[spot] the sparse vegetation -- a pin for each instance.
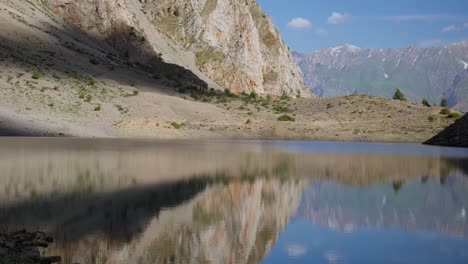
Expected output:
(36, 75)
(176, 125)
(431, 118)
(286, 118)
(445, 111)
(454, 115)
(282, 109)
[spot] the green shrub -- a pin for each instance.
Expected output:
(98, 108)
(329, 106)
(425, 103)
(36, 75)
(454, 115)
(56, 88)
(88, 98)
(286, 118)
(136, 92)
(399, 95)
(91, 81)
(444, 102)
(282, 109)
(445, 111)
(431, 118)
(176, 125)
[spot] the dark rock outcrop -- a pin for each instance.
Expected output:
(23, 247)
(456, 135)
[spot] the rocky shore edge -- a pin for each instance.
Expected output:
(23, 247)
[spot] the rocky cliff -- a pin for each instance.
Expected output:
(229, 44)
(432, 73)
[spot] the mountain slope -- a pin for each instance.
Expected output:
(456, 135)
(431, 73)
(58, 79)
(230, 44)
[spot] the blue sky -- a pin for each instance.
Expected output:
(308, 25)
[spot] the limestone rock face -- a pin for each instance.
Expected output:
(229, 44)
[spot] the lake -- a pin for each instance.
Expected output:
(144, 201)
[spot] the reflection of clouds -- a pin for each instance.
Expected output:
(332, 256)
(296, 250)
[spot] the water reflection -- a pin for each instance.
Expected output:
(108, 201)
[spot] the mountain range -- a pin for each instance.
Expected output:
(432, 73)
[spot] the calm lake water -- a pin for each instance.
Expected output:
(138, 201)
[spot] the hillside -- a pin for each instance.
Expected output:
(456, 135)
(431, 73)
(58, 79)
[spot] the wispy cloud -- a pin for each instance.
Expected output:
(450, 28)
(299, 23)
(422, 18)
(453, 27)
(321, 31)
(338, 18)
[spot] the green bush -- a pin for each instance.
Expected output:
(98, 108)
(431, 118)
(286, 118)
(136, 92)
(445, 111)
(425, 103)
(399, 95)
(91, 81)
(444, 102)
(176, 125)
(282, 109)
(36, 75)
(454, 115)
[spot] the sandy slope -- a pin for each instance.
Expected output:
(84, 89)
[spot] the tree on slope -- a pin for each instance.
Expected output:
(399, 95)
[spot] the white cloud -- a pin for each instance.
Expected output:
(338, 18)
(299, 23)
(450, 28)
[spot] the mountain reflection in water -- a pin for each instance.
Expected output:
(136, 201)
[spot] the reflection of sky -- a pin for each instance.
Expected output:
(364, 147)
(421, 222)
(318, 245)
